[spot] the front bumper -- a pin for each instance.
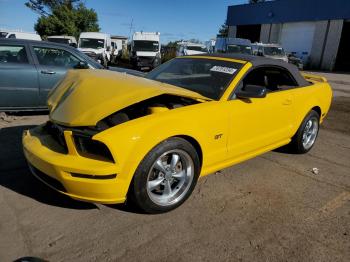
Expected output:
(143, 61)
(59, 170)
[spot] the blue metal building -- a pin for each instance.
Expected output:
(316, 30)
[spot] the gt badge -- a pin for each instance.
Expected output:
(216, 137)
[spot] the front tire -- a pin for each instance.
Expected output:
(305, 138)
(166, 177)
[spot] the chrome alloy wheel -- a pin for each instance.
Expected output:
(310, 133)
(170, 177)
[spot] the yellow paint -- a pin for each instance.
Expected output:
(245, 129)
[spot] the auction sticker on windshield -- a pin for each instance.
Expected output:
(223, 69)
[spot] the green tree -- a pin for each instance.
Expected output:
(63, 17)
(223, 30)
(172, 44)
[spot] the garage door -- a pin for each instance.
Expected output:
(297, 38)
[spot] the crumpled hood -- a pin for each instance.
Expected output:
(86, 96)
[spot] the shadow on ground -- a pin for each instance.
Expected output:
(28, 113)
(15, 175)
(128, 207)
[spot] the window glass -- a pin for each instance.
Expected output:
(239, 49)
(143, 45)
(55, 57)
(274, 51)
(196, 48)
(13, 54)
(12, 36)
(274, 79)
(91, 43)
(208, 77)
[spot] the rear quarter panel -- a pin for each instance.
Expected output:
(317, 95)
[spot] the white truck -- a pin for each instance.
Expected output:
(145, 50)
(63, 39)
(96, 45)
(188, 48)
(119, 45)
(22, 35)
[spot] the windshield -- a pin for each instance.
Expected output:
(239, 49)
(208, 77)
(196, 48)
(274, 51)
(91, 43)
(3, 34)
(143, 45)
(59, 40)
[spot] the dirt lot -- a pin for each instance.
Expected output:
(271, 208)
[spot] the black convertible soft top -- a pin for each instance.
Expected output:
(257, 61)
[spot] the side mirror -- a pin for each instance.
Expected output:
(252, 91)
(82, 65)
(73, 45)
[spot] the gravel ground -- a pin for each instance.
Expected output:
(271, 208)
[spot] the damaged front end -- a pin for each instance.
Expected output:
(154, 105)
(82, 136)
(75, 153)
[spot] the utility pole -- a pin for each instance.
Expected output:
(131, 27)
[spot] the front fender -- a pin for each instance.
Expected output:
(130, 142)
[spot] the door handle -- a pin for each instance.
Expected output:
(48, 72)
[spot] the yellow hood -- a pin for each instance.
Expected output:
(84, 97)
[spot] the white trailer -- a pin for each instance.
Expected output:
(145, 50)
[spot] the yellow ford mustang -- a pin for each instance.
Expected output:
(113, 136)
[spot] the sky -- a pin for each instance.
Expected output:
(174, 19)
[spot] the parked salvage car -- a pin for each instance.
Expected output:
(113, 137)
(30, 69)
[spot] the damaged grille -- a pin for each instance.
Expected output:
(83, 141)
(57, 133)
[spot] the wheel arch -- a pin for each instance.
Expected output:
(304, 113)
(318, 110)
(196, 146)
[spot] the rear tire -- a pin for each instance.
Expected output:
(166, 176)
(305, 138)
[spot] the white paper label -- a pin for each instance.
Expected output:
(223, 69)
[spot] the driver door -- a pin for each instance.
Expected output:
(257, 124)
(52, 63)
